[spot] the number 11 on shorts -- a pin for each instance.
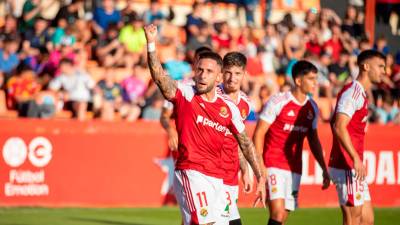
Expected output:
(202, 196)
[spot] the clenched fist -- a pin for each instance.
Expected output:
(151, 33)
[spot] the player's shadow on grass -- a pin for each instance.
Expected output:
(105, 221)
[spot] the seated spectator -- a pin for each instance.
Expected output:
(194, 20)
(222, 38)
(38, 40)
(9, 59)
(70, 12)
(63, 34)
(76, 85)
(132, 36)
(153, 111)
(386, 111)
(105, 15)
(154, 14)
(109, 95)
(339, 72)
(134, 89)
(22, 89)
(177, 68)
(202, 39)
(9, 30)
(30, 11)
(109, 50)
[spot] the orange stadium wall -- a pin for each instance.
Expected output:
(70, 163)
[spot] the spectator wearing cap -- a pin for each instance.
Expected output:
(105, 15)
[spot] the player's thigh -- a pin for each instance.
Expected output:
(179, 187)
(277, 193)
(367, 213)
(292, 185)
(351, 192)
(205, 195)
(232, 201)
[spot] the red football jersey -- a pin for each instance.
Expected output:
(202, 127)
(230, 157)
(352, 101)
(290, 122)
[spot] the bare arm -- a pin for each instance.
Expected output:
(340, 131)
(259, 135)
(165, 120)
(242, 162)
(316, 149)
(166, 84)
(251, 155)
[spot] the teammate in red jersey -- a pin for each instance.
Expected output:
(234, 69)
(348, 127)
(203, 118)
(287, 118)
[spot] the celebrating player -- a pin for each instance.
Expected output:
(348, 128)
(203, 119)
(287, 118)
(234, 67)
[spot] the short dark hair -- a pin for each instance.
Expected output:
(66, 61)
(202, 49)
(211, 55)
(369, 54)
(302, 68)
(234, 59)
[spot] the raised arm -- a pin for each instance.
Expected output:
(166, 84)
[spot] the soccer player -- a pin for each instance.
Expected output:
(348, 127)
(234, 67)
(287, 118)
(203, 118)
(167, 112)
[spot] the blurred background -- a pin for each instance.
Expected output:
(79, 113)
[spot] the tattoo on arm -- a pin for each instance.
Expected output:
(242, 162)
(166, 84)
(249, 152)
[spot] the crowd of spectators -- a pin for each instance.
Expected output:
(91, 62)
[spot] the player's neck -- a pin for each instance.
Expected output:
(209, 96)
(234, 95)
(364, 80)
(300, 96)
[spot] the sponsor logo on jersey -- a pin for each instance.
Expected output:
(291, 113)
(291, 127)
(224, 112)
(358, 196)
(215, 125)
(204, 212)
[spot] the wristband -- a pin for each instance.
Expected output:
(151, 47)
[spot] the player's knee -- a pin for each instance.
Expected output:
(367, 221)
(235, 222)
(274, 222)
(278, 215)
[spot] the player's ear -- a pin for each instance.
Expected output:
(365, 66)
(297, 81)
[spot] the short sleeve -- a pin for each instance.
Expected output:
(272, 108)
(237, 125)
(316, 114)
(350, 101)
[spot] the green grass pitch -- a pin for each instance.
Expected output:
(168, 216)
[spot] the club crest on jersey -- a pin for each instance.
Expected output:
(274, 189)
(204, 212)
(223, 112)
(244, 114)
(310, 115)
(358, 196)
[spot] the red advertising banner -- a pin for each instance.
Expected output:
(71, 163)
